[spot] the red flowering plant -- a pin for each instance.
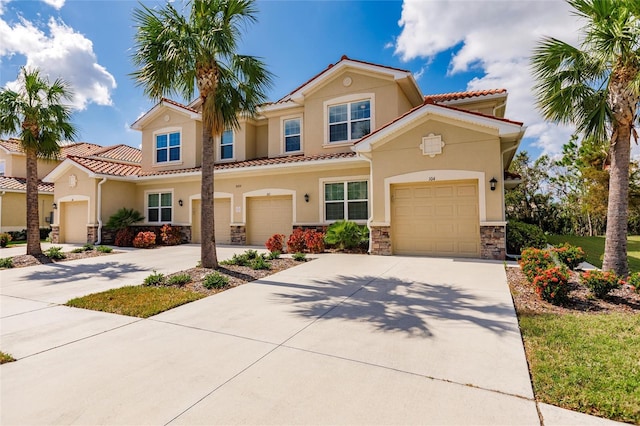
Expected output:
(124, 237)
(600, 283)
(570, 255)
(634, 281)
(534, 261)
(296, 243)
(552, 285)
(314, 241)
(171, 236)
(146, 239)
(275, 243)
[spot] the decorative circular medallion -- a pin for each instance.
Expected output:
(347, 82)
(167, 118)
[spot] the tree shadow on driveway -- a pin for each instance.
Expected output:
(59, 273)
(394, 305)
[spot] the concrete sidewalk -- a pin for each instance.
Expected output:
(344, 339)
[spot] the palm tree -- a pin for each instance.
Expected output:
(179, 54)
(596, 87)
(36, 112)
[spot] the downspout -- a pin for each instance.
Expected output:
(370, 189)
(497, 107)
(100, 210)
(1, 195)
(504, 207)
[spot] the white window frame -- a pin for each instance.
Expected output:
(344, 180)
(348, 99)
(166, 131)
(3, 168)
(146, 205)
(283, 136)
(233, 146)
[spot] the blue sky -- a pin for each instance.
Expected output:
(449, 46)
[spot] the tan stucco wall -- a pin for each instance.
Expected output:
(465, 149)
(116, 195)
(13, 216)
(85, 187)
(276, 134)
(182, 190)
(16, 165)
(189, 140)
(8, 160)
(262, 139)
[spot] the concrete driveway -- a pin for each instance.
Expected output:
(344, 339)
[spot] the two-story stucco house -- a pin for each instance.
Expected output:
(358, 141)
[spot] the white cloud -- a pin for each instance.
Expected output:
(56, 4)
(59, 52)
(496, 37)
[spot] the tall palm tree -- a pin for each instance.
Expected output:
(179, 54)
(37, 114)
(596, 87)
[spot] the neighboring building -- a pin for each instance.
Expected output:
(13, 173)
(358, 141)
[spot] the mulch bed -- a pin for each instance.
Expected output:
(26, 260)
(622, 300)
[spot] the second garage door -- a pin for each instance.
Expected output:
(222, 218)
(267, 216)
(436, 219)
(74, 222)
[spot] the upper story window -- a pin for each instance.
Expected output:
(349, 121)
(346, 200)
(226, 145)
(292, 135)
(2, 167)
(168, 147)
(159, 206)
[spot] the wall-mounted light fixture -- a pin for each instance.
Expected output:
(493, 182)
(54, 205)
(180, 202)
(306, 198)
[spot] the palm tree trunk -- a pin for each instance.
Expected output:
(615, 246)
(208, 254)
(33, 222)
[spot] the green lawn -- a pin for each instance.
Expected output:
(136, 301)
(594, 248)
(587, 363)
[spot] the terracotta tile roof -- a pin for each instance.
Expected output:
(78, 149)
(119, 152)
(447, 97)
(178, 104)
(107, 167)
(479, 114)
(11, 145)
(20, 184)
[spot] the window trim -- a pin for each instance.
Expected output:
(3, 168)
(283, 142)
(344, 180)
(348, 99)
(166, 131)
(233, 147)
(146, 205)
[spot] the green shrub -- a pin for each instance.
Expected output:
(634, 281)
(180, 279)
(534, 261)
(104, 249)
(123, 218)
(55, 252)
(299, 257)
(600, 283)
(154, 279)
(552, 284)
(570, 255)
(88, 247)
(522, 235)
(215, 280)
(6, 262)
(145, 239)
(259, 263)
(273, 255)
(77, 250)
(243, 259)
(4, 239)
(251, 254)
(345, 234)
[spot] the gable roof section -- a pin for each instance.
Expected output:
(457, 96)
(14, 184)
(159, 107)
(99, 166)
(121, 152)
(13, 146)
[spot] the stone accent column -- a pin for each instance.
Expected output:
(92, 234)
(55, 234)
(380, 240)
(185, 231)
(493, 242)
(238, 235)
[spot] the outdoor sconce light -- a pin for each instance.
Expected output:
(493, 182)
(306, 198)
(54, 205)
(180, 203)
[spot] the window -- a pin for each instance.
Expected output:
(226, 145)
(346, 200)
(1, 167)
(168, 147)
(349, 121)
(292, 134)
(159, 207)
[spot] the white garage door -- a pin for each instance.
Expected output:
(436, 219)
(267, 216)
(222, 220)
(73, 218)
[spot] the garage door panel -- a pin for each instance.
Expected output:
(221, 217)
(74, 222)
(267, 216)
(436, 219)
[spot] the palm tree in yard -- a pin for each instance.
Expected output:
(37, 114)
(596, 87)
(183, 55)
